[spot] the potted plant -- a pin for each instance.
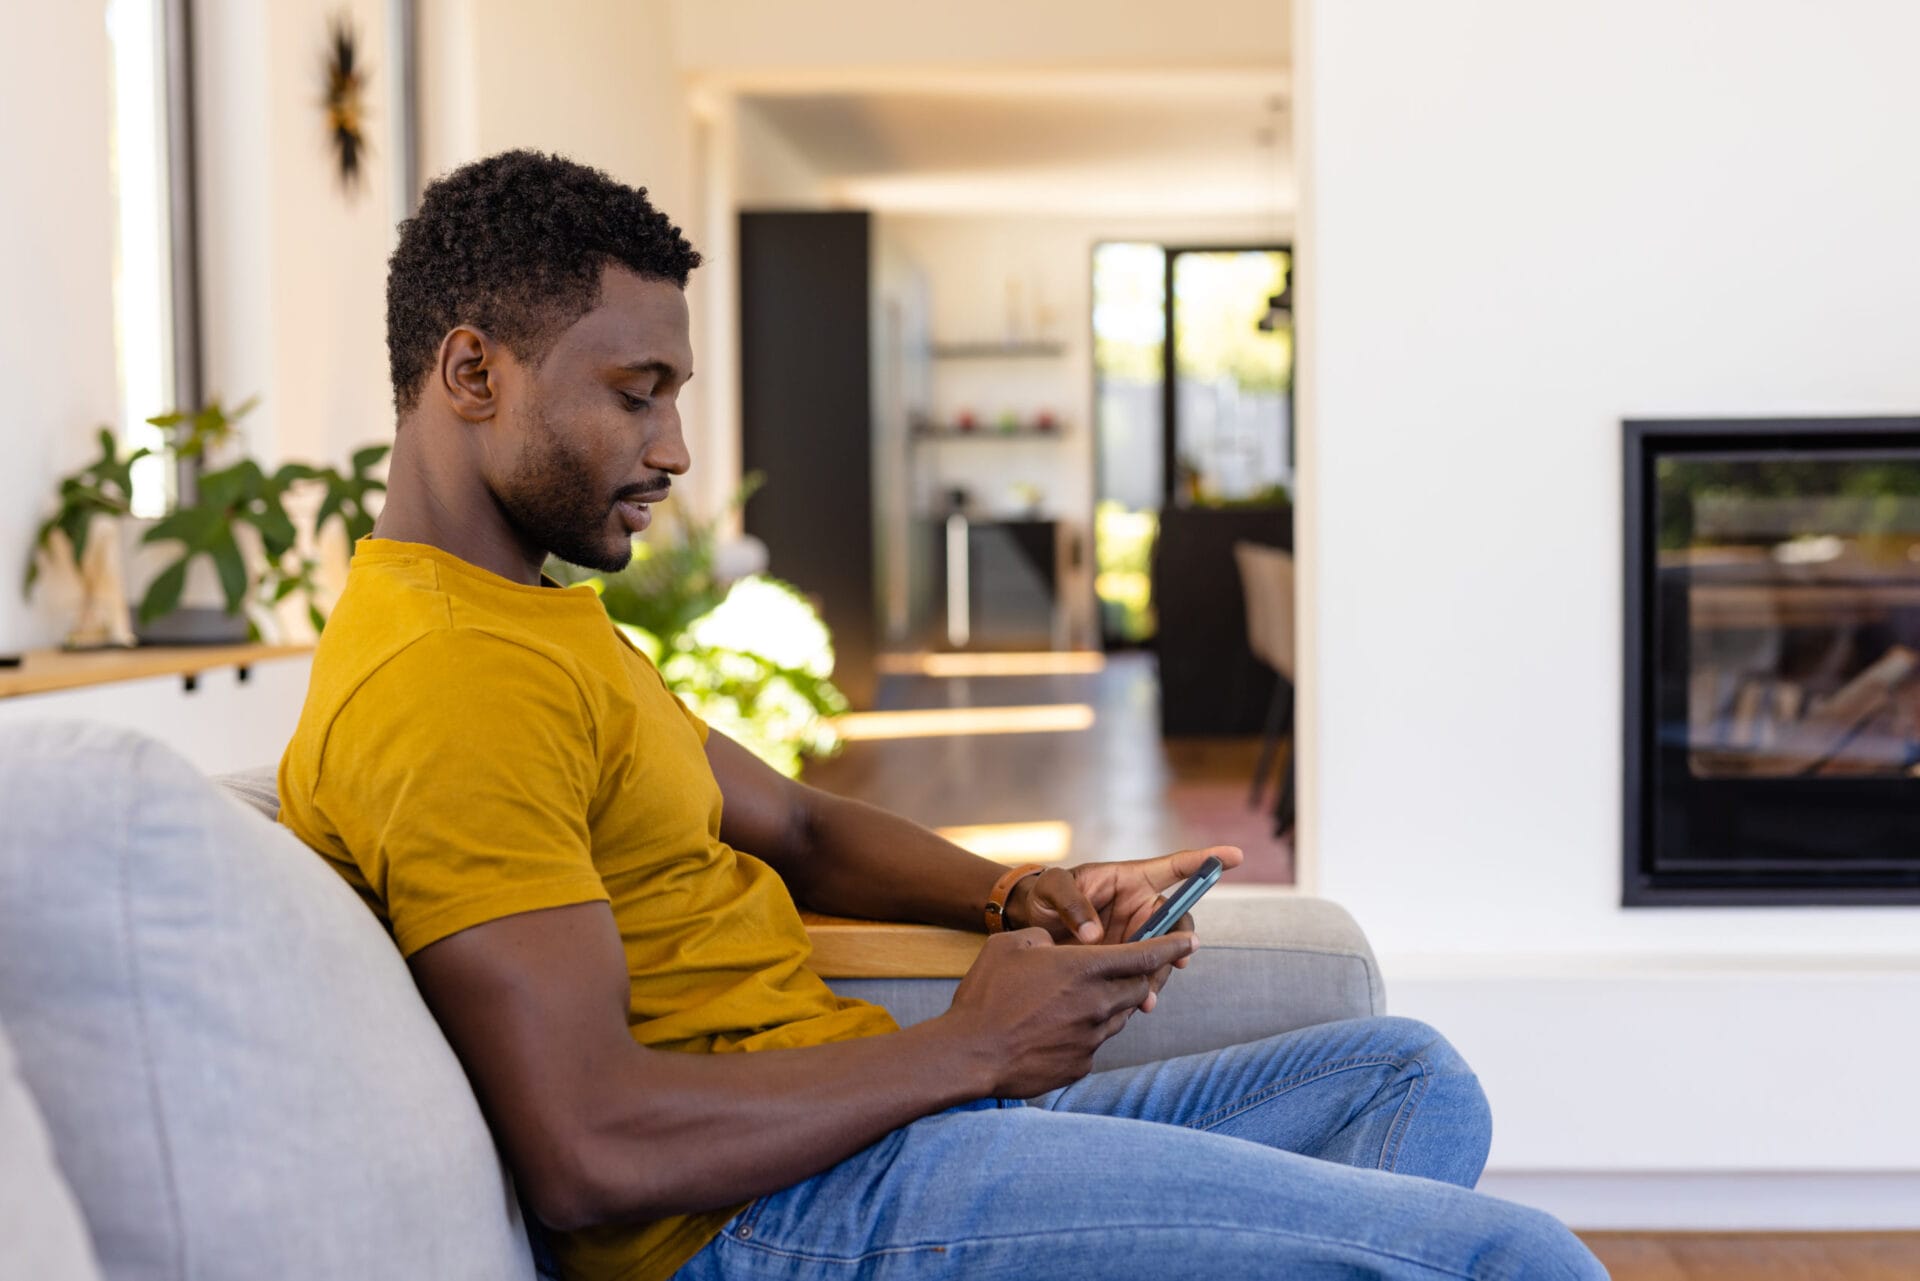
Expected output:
(80, 534)
(228, 552)
(747, 652)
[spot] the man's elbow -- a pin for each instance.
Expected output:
(576, 1185)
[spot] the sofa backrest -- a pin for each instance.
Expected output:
(237, 1073)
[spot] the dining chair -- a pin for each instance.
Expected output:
(1266, 578)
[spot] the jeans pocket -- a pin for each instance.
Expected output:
(740, 1226)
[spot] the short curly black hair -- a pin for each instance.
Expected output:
(514, 245)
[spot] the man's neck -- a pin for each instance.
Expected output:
(439, 501)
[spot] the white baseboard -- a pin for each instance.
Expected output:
(1718, 1201)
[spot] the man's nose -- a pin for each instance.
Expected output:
(667, 448)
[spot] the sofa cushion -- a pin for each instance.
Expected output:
(238, 1074)
(41, 1234)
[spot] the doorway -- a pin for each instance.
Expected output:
(1214, 436)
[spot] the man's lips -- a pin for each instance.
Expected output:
(634, 506)
(642, 497)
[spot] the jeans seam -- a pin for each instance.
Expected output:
(1403, 1119)
(744, 1221)
(856, 1260)
(1247, 1102)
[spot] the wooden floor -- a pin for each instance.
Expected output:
(1128, 794)
(1124, 791)
(1754, 1256)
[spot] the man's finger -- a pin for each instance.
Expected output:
(1184, 927)
(1127, 995)
(1063, 894)
(1171, 869)
(1130, 960)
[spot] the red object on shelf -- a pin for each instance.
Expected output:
(965, 421)
(1045, 421)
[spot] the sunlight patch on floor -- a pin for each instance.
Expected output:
(1077, 662)
(944, 722)
(1043, 842)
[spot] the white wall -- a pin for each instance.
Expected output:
(593, 80)
(763, 36)
(771, 173)
(1640, 208)
(56, 248)
(596, 81)
(293, 268)
(1521, 223)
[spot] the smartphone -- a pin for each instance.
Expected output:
(1180, 901)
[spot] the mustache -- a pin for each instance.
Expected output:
(651, 492)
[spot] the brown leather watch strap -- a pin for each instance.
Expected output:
(1002, 889)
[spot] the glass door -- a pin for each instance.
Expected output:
(1218, 434)
(1230, 402)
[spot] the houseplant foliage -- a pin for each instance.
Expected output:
(104, 487)
(238, 495)
(750, 656)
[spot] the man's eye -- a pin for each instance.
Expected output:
(635, 402)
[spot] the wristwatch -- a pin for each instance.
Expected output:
(1002, 890)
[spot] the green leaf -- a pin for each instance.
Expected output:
(196, 527)
(286, 588)
(291, 472)
(222, 488)
(329, 508)
(74, 523)
(163, 597)
(318, 619)
(250, 483)
(369, 457)
(359, 524)
(232, 567)
(277, 533)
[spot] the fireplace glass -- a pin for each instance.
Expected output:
(1773, 662)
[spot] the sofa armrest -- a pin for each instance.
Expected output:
(1266, 964)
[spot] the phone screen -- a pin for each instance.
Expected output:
(1180, 902)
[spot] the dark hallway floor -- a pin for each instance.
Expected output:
(1119, 789)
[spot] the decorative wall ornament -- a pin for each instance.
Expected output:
(346, 101)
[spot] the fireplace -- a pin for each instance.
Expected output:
(1773, 662)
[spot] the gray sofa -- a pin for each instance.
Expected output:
(214, 1064)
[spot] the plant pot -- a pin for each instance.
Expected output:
(201, 618)
(92, 587)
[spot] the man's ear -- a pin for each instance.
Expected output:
(468, 373)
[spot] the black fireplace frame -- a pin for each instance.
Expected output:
(1642, 884)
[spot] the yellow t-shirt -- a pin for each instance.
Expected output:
(472, 748)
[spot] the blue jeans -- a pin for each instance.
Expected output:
(1346, 1150)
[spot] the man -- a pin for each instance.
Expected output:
(597, 894)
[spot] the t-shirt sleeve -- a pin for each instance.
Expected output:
(461, 776)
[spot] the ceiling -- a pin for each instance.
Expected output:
(1191, 143)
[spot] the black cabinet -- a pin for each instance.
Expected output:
(807, 418)
(1210, 682)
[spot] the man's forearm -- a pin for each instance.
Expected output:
(862, 861)
(678, 1133)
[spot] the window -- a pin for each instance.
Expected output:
(153, 296)
(1217, 434)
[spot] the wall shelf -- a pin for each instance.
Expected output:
(43, 671)
(986, 433)
(1038, 349)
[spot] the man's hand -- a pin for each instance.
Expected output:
(1107, 902)
(1036, 1012)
